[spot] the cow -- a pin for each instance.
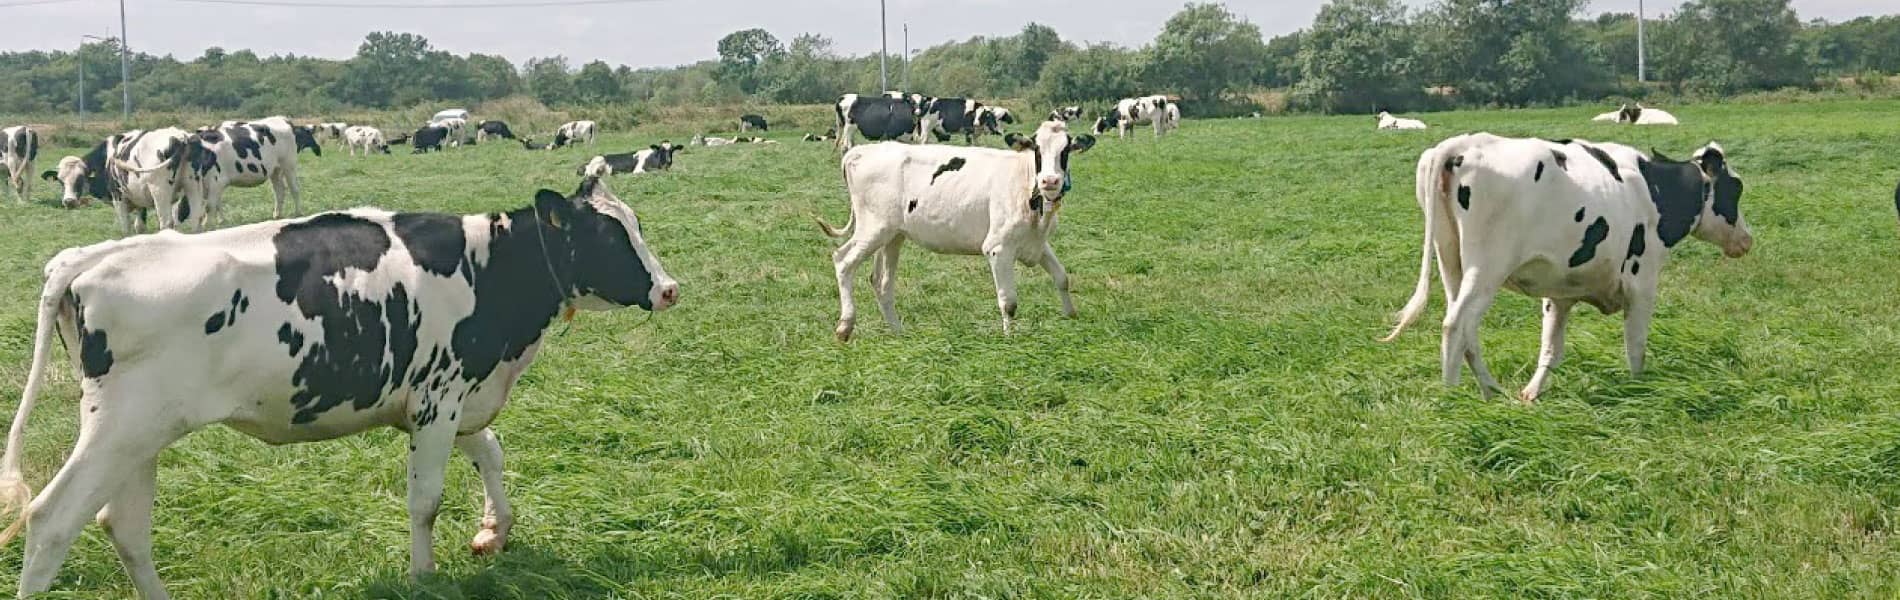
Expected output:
(877, 118)
(333, 130)
(1129, 112)
(360, 319)
(369, 139)
(1566, 221)
(429, 137)
(657, 157)
(1641, 115)
(245, 154)
(529, 144)
(574, 132)
(1387, 121)
(19, 146)
(1001, 116)
(1001, 204)
(1614, 116)
(946, 116)
(138, 171)
(399, 140)
(820, 137)
(493, 128)
(751, 122)
(1066, 113)
(457, 131)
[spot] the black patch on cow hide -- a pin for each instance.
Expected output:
(515, 293)
(1603, 157)
(1676, 188)
(95, 355)
(955, 164)
(1464, 197)
(1637, 243)
(215, 323)
(1539, 176)
(913, 206)
(435, 241)
(346, 366)
(1035, 202)
(290, 338)
(1563, 162)
(1579, 214)
(1592, 237)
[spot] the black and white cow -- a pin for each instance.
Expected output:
(528, 143)
(877, 118)
(334, 130)
(1001, 204)
(19, 146)
(307, 330)
(1566, 221)
(751, 122)
(575, 132)
(1066, 113)
(245, 154)
(817, 137)
(138, 171)
(368, 139)
(457, 132)
(1129, 112)
(657, 157)
(429, 137)
(944, 117)
(493, 128)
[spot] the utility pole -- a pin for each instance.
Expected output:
(1642, 52)
(81, 57)
(907, 57)
(884, 47)
(125, 67)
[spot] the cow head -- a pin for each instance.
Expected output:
(1722, 223)
(306, 138)
(73, 176)
(1108, 120)
(1052, 146)
(1629, 114)
(662, 155)
(986, 119)
(609, 265)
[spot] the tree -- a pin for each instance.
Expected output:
(809, 73)
(1725, 46)
(1358, 57)
(741, 53)
(1099, 73)
(386, 70)
(596, 84)
(549, 81)
(1510, 52)
(1205, 51)
(492, 76)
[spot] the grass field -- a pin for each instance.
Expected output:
(1218, 421)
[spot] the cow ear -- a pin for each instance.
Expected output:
(552, 204)
(49, 175)
(1081, 144)
(1019, 142)
(655, 147)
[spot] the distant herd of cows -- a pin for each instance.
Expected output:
(313, 328)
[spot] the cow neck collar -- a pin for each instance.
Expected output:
(554, 275)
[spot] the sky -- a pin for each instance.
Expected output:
(652, 33)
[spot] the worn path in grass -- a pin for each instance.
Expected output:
(1217, 422)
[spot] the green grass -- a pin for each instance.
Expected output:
(1217, 422)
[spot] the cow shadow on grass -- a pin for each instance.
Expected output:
(525, 572)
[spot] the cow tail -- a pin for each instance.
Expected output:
(851, 222)
(15, 495)
(1435, 174)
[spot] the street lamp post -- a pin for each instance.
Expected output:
(884, 47)
(1642, 52)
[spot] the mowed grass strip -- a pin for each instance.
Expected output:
(1217, 422)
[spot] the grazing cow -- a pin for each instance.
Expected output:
(1001, 204)
(245, 154)
(1066, 113)
(452, 113)
(946, 116)
(307, 330)
(877, 118)
(399, 140)
(657, 157)
(369, 139)
(457, 131)
(1565, 221)
(820, 137)
(1001, 115)
(1387, 121)
(574, 132)
(1129, 112)
(751, 122)
(334, 130)
(138, 171)
(1640, 115)
(19, 146)
(493, 128)
(429, 137)
(528, 143)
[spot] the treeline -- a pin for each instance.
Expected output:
(1356, 55)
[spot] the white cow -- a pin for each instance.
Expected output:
(1567, 222)
(1129, 112)
(368, 139)
(1387, 121)
(574, 132)
(1001, 204)
(334, 130)
(246, 154)
(19, 146)
(307, 330)
(137, 171)
(1610, 117)
(1641, 115)
(457, 131)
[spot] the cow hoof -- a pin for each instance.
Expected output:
(1527, 397)
(487, 543)
(844, 331)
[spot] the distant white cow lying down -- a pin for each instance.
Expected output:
(1567, 221)
(1001, 204)
(1387, 121)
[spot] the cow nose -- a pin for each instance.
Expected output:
(669, 296)
(1050, 182)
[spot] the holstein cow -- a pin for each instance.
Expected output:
(1001, 204)
(457, 131)
(493, 128)
(1565, 221)
(306, 330)
(19, 146)
(877, 118)
(1129, 112)
(1066, 113)
(574, 132)
(657, 157)
(246, 154)
(368, 139)
(429, 137)
(138, 171)
(946, 116)
(1387, 121)
(1612, 116)
(1640, 115)
(751, 122)
(334, 130)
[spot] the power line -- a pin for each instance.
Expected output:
(33, 3)
(393, 5)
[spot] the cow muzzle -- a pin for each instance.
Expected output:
(1739, 246)
(666, 294)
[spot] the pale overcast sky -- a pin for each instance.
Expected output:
(656, 32)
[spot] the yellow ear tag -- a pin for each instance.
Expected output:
(555, 220)
(567, 315)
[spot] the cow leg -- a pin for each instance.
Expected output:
(1060, 277)
(127, 518)
(167, 215)
(846, 260)
(484, 450)
(122, 210)
(1460, 342)
(429, 447)
(277, 190)
(1642, 308)
(1556, 320)
(112, 447)
(1003, 269)
(884, 278)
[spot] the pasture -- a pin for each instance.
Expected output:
(1217, 422)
